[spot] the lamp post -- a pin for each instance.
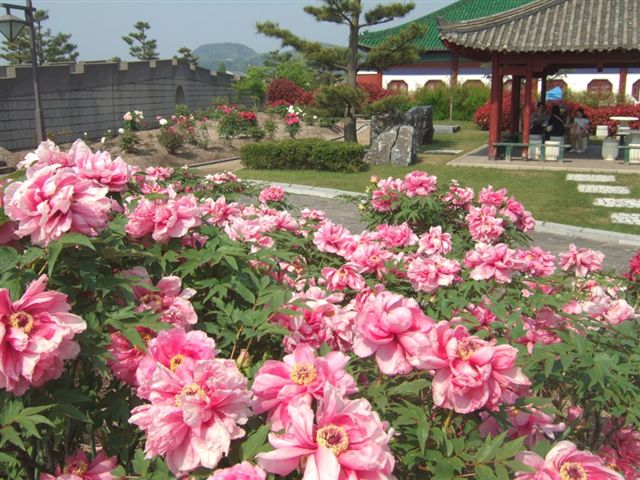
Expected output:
(10, 27)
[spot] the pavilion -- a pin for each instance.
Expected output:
(538, 39)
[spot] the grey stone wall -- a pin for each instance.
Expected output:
(92, 97)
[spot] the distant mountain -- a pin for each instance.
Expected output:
(235, 56)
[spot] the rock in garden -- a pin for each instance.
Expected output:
(403, 152)
(380, 150)
(383, 121)
(421, 119)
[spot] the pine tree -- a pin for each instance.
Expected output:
(395, 49)
(140, 46)
(49, 47)
(187, 55)
(222, 68)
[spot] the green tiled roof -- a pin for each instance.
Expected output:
(460, 10)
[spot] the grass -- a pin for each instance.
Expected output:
(545, 193)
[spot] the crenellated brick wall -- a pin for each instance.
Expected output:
(92, 96)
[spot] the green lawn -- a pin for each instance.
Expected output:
(546, 194)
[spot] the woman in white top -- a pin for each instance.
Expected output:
(579, 132)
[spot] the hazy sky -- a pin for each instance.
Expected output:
(98, 25)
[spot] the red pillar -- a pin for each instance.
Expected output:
(622, 84)
(526, 114)
(514, 123)
(495, 110)
(455, 66)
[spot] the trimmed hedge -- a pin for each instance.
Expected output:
(304, 154)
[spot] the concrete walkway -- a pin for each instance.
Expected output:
(617, 255)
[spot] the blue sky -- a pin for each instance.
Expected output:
(98, 25)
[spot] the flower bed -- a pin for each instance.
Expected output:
(152, 326)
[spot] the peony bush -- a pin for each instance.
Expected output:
(154, 326)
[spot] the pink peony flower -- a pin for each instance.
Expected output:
(582, 260)
(494, 198)
(528, 422)
(386, 198)
(565, 462)
(434, 242)
(53, 201)
(347, 440)
(470, 373)
(618, 311)
(98, 166)
(158, 173)
(331, 238)
(420, 184)
(395, 236)
(47, 154)
(484, 225)
(536, 262)
(371, 258)
(240, 471)
(459, 196)
(487, 262)
(164, 220)
(347, 276)
(542, 329)
(125, 357)
(301, 375)
(167, 298)
(624, 452)
(173, 349)
(272, 193)
(394, 328)
(78, 467)
(219, 211)
(194, 414)
(36, 336)
(430, 273)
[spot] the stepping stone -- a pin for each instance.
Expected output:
(626, 218)
(446, 128)
(586, 188)
(617, 202)
(582, 177)
(445, 151)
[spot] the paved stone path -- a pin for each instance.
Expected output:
(617, 256)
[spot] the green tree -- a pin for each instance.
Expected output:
(253, 84)
(222, 68)
(187, 55)
(49, 47)
(395, 49)
(140, 46)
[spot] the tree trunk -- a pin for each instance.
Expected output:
(350, 134)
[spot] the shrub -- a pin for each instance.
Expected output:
(283, 89)
(375, 93)
(400, 102)
(328, 122)
(232, 122)
(313, 154)
(182, 109)
(437, 97)
(129, 141)
(171, 139)
(466, 100)
(292, 124)
(270, 128)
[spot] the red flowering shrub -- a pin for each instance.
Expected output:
(375, 93)
(596, 115)
(284, 90)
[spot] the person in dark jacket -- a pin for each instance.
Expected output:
(556, 124)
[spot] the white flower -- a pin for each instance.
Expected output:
(315, 117)
(109, 131)
(127, 117)
(103, 139)
(291, 109)
(185, 167)
(84, 134)
(163, 122)
(121, 131)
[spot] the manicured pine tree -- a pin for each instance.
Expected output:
(187, 55)
(395, 49)
(140, 46)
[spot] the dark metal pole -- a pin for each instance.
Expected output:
(40, 129)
